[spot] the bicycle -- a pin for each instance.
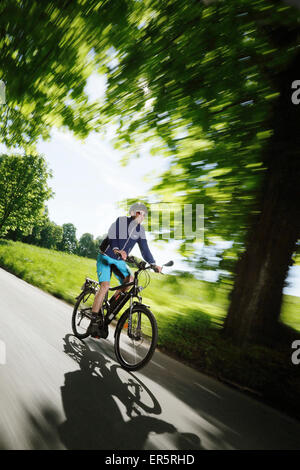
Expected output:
(136, 332)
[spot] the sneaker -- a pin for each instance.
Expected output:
(104, 332)
(96, 325)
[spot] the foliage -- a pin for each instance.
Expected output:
(23, 191)
(47, 234)
(69, 241)
(51, 235)
(43, 232)
(199, 81)
(195, 79)
(87, 246)
(46, 58)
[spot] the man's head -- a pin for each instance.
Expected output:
(138, 211)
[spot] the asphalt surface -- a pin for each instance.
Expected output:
(59, 393)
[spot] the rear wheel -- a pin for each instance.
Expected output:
(135, 346)
(82, 314)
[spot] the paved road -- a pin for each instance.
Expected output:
(60, 393)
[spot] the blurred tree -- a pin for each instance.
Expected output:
(43, 232)
(87, 246)
(69, 241)
(45, 59)
(32, 234)
(23, 191)
(210, 84)
(51, 235)
(15, 235)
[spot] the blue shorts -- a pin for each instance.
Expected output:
(107, 265)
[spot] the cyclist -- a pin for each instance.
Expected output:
(123, 234)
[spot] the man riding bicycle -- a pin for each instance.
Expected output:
(123, 234)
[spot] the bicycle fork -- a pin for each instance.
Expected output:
(137, 335)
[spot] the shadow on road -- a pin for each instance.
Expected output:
(42, 429)
(109, 408)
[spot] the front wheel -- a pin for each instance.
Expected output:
(135, 343)
(82, 315)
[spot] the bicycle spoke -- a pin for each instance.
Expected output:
(135, 342)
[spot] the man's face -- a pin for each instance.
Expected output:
(139, 216)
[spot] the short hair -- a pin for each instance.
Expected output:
(138, 207)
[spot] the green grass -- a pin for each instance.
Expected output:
(189, 313)
(62, 275)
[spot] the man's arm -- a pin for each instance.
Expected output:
(145, 251)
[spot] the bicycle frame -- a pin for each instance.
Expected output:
(133, 292)
(91, 286)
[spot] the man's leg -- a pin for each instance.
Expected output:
(123, 274)
(125, 280)
(97, 318)
(123, 289)
(99, 297)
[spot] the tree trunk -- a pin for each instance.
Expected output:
(261, 271)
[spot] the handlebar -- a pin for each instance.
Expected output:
(142, 264)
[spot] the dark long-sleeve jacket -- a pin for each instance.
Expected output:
(123, 234)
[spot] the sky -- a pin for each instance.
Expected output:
(89, 182)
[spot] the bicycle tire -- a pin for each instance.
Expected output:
(144, 310)
(74, 326)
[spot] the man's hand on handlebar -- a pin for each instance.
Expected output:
(122, 253)
(157, 269)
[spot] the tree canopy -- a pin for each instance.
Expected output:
(196, 79)
(204, 79)
(69, 241)
(87, 246)
(203, 82)
(46, 58)
(23, 191)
